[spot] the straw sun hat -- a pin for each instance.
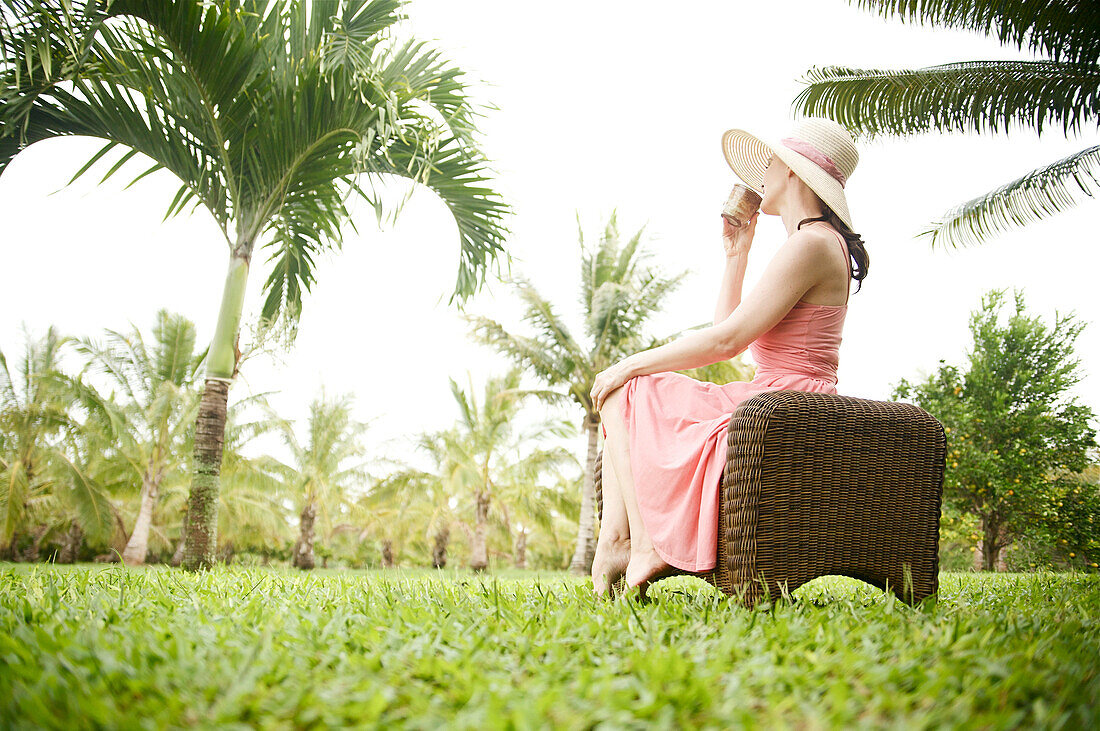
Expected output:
(819, 151)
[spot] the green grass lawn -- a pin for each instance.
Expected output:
(105, 646)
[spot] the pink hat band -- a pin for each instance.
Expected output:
(822, 160)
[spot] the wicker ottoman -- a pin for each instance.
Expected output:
(818, 484)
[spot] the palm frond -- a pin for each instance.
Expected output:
(268, 113)
(547, 362)
(175, 339)
(972, 96)
(1064, 29)
(356, 30)
(1041, 193)
(294, 247)
(540, 314)
(419, 75)
(88, 498)
(724, 371)
(458, 173)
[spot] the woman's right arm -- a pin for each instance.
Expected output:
(729, 295)
(737, 242)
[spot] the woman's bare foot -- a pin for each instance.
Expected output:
(645, 567)
(609, 564)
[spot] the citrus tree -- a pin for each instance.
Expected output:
(1010, 419)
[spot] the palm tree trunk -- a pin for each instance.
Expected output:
(226, 553)
(479, 559)
(70, 550)
(177, 557)
(586, 534)
(30, 553)
(201, 533)
(303, 557)
(137, 548)
(387, 553)
(10, 549)
(520, 551)
(439, 550)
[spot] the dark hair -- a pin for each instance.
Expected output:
(856, 248)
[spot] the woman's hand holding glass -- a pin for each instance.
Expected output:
(738, 239)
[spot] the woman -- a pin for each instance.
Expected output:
(665, 433)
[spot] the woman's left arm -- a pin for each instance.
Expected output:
(790, 274)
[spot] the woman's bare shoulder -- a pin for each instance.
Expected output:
(812, 242)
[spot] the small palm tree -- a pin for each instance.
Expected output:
(268, 113)
(485, 460)
(390, 516)
(535, 499)
(154, 392)
(42, 458)
(619, 294)
(326, 469)
(426, 508)
(980, 96)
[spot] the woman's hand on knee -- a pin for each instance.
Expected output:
(607, 381)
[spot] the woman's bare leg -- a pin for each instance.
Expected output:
(645, 565)
(613, 546)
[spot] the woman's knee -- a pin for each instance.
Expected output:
(611, 404)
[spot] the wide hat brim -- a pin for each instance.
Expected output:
(748, 155)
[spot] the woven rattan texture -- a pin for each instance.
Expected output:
(818, 484)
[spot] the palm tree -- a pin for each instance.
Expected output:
(325, 469)
(532, 510)
(81, 505)
(979, 96)
(30, 412)
(391, 515)
(153, 389)
(487, 461)
(268, 113)
(41, 463)
(619, 294)
(421, 501)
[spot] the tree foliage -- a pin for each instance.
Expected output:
(1011, 421)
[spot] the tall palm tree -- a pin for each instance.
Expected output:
(326, 469)
(619, 294)
(983, 95)
(268, 113)
(154, 391)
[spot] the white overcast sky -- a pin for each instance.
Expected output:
(602, 105)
